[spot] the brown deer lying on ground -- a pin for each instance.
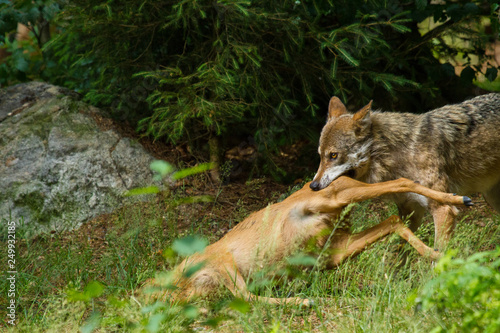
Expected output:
(274, 233)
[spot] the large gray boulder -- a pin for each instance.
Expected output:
(58, 168)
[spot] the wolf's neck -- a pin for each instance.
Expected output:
(393, 145)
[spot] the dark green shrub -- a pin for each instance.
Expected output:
(467, 288)
(199, 70)
(27, 60)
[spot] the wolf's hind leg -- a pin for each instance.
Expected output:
(492, 197)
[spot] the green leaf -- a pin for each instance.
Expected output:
(168, 253)
(21, 64)
(333, 70)
(468, 287)
(192, 269)
(276, 327)
(468, 74)
(75, 296)
(491, 74)
(400, 28)
(448, 69)
(421, 4)
(214, 321)
(91, 324)
(117, 303)
(240, 305)
(161, 167)
(190, 311)
(94, 289)
(192, 171)
(188, 245)
(154, 322)
(347, 57)
(302, 260)
(142, 190)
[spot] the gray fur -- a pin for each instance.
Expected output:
(455, 148)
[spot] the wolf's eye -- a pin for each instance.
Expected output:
(334, 156)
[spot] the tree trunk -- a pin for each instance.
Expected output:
(213, 144)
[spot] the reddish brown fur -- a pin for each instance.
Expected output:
(267, 237)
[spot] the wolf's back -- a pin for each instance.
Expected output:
(460, 140)
(465, 123)
(478, 110)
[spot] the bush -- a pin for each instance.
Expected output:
(468, 289)
(219, 67)
(26, 60)
(198, 71)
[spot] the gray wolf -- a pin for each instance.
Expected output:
(267, 237)
(455, 148)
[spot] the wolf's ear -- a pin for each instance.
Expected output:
(336, 108)
(362, 118)
(363, 113)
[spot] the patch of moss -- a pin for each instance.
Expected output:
(34, 201)
(39, 119)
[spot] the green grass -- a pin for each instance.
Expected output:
(370, 293)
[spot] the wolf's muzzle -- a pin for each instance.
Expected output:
(315, 186)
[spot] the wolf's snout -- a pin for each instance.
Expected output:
(315, 186)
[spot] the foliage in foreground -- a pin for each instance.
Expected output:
(467, 287)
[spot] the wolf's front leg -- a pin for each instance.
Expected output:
(410, 210)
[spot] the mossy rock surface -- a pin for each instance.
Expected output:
(58, 168)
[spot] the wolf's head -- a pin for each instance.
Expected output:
(344, 145)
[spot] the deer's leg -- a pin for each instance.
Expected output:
(353, 244)
(345, 190)
(235, 282)
(349, 190)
